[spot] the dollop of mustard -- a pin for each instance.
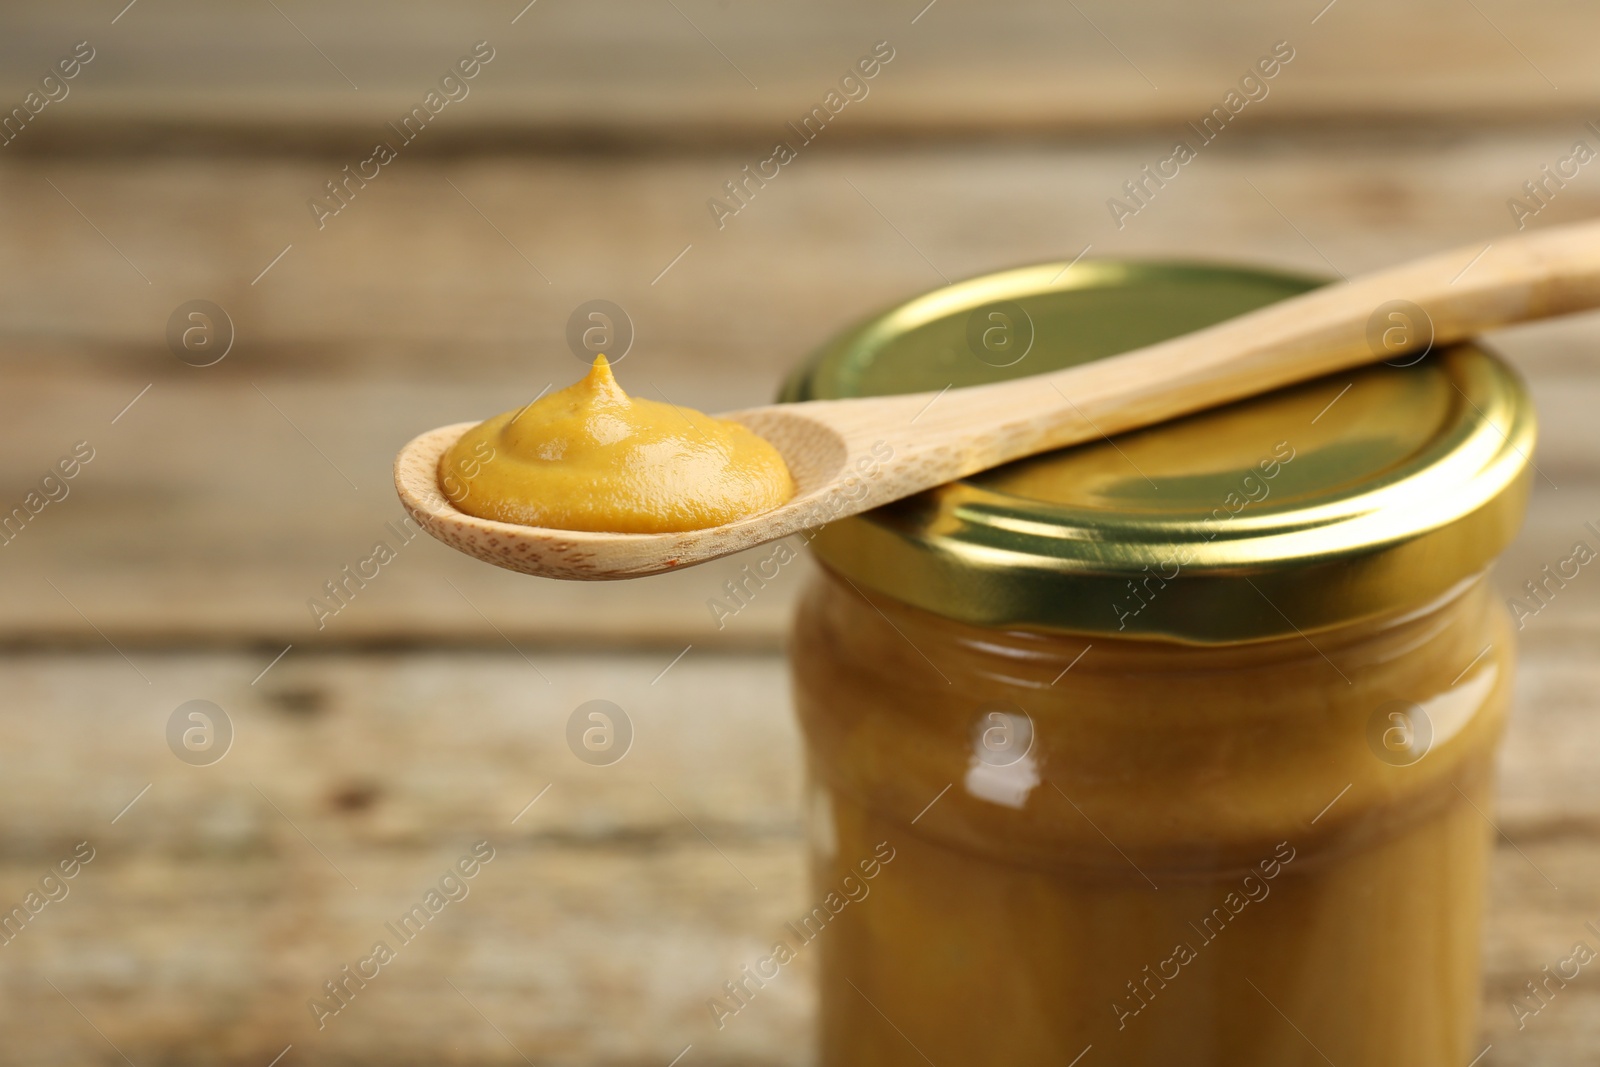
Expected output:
(590, 457)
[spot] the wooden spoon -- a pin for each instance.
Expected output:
(848, 456)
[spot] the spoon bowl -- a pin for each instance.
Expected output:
(817, 455)
(848, 456)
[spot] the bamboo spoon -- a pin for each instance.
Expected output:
(938, 438)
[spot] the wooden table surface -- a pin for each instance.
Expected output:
(428, 714)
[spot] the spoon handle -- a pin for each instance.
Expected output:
(1397, 314)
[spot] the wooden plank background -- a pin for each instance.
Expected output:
(424, 716)
(640, 71)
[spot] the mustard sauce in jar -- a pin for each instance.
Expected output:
(1183, 741)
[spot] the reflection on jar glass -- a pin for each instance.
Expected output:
(1183, 742)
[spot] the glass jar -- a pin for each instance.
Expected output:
(1176, 748)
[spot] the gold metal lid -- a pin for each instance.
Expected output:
(1350, 496)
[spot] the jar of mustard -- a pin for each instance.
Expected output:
(1175, 748)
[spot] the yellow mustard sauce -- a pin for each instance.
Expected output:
(590, 457)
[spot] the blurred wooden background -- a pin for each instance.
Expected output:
(428, 713)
